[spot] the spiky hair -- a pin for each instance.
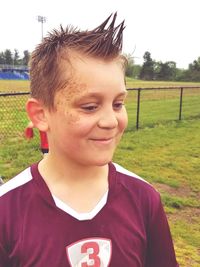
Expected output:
(105, 42)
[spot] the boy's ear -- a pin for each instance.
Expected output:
(36, 113)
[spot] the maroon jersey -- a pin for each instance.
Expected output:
(128, 227)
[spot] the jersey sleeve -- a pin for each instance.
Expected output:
(4, 260)
(160, 249)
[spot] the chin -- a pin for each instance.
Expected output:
(102, 162)
(97, 159)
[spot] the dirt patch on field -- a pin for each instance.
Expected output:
(189, 215)
(179, 192)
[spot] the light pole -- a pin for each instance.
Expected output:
(42, 20)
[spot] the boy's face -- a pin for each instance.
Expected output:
(90, 117)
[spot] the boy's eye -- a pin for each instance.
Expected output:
(118, 105)
(90, 107)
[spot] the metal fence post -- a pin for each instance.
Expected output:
(181, 101)
(138, 109)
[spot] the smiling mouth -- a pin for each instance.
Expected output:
(103, 140)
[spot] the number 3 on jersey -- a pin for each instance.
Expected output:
(91, 252)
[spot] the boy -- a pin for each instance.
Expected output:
(75, 207)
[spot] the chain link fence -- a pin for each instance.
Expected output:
(13, 117)
(146, 107)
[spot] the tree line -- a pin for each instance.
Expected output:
(159, 71)
(9, 58)
(150, 69)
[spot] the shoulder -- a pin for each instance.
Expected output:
(136, 186)
(16, 183)
(137, 194)
(14, 196)
(128, 177)
(126, 172)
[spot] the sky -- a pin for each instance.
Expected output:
(168, 29)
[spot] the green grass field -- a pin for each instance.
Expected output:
(165, 151)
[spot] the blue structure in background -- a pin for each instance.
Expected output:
(8, 72)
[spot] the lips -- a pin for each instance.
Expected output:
(102, 140)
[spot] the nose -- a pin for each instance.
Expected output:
(108, 119)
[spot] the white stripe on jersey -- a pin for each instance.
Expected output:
(22, 178)
(81, 216)
(121, 169)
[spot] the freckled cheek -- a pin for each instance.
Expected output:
(70, 117)
(77, 123)
(73, 119)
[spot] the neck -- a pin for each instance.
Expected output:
(69, 182)
(70, 172)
